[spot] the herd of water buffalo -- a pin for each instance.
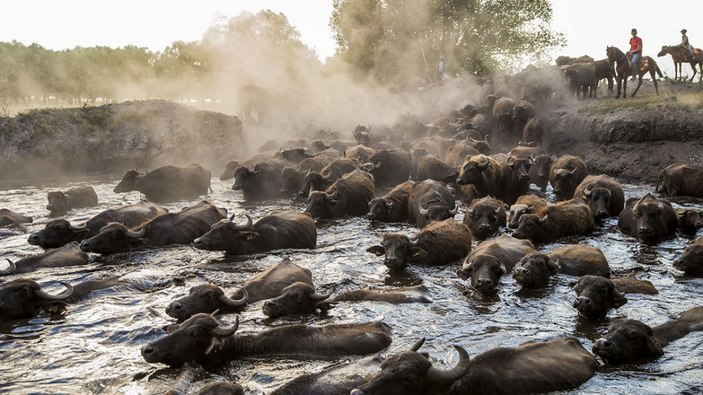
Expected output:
(427, 172)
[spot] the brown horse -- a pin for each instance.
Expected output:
(622, 69)
(676, 53)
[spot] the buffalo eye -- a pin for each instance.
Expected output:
(602, 291)
(112, 235)
(196, 332)
(636, 214)
(210, 295)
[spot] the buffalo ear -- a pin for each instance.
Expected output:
(653, 345)
(553, 265)
(503, 268)
(466, 271)
(417, 254)
(248, 236)
(619, 299)
(378, 250)
(172, 328)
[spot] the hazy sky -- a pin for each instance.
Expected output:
(589, 26)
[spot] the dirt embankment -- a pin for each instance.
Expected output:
(42, 145)
(630, 142)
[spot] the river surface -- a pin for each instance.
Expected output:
(94, 346)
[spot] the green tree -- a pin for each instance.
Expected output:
(395, 39)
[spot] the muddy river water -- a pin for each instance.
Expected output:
(94, 346)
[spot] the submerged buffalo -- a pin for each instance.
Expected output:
(595, 295)
(202, 339)
(632, 340)
(297, 298)
(571, 217)
(207, 298)
(393, 206)
(68, 255)
(59, 232)
(79, 197)
(11, 218)
(526, 204)
(24, 298)
(350, 195)
(390, 167)
(429, 201)
(532, 367)
(681, 179)
(648, 219)
(173, 228)
(168, 183)
(332, 172)
(691, 262)
(273, 232)
(263, 182)
(603, 195)
(566, 174)
(439, 243)
(485, 217)
(535, 270)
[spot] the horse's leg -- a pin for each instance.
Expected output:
(639, 83)
(624, 85)
(654, 79)
(693, 66)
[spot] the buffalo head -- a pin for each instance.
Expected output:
(225, 235)
(297, 298)
(58, 202)
(113, 238)
(628, 340)
(24, 298)
(691, 262)
(58, 233)
(399, 250)
(595, 295)
(485, 272)
(320, 203)
(535, 270)
(472, 170)
(130, 182)
(205, 298)
(598, 199)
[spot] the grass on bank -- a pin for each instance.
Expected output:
(671, 100)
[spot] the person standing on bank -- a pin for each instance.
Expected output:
(686, 46)
(635, 53)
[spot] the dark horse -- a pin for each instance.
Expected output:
(622, 69)
(677, 54)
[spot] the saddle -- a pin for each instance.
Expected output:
(642, 64)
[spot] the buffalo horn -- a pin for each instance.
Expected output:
(246, 226)
(63, 295)
(231, 218)
(320, 297)
(483, 164)
(10, 269)
(377, 165)
(417, 344)
(138, 234)
(454, 210)
(587, 190)
(423, 211)
(234, 303)
(224, 331)
(74, 228)
(449, 376)
(333, 195)
(326, 175)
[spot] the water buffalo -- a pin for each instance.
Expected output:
(483, 146)
(648, 219)
(484, 172)
(327, 176)
(415, 294)
(439, 243)
(484, 217)
(68, 255)
(431, 168)
(632, 340)
(293, 178)
(491, 260)
(526, 204)
(581, 78)
(11, 218)
(540, 170)
(390, 167)
(533, 367)
(60, 232)
(261, 183)
(430, 201)
(350, 195)
(515, 178)
(457, 154)
(535, 270)
(595, 295)
(172, 228)
(360, 153)
(207, 298)
(168, 183)
(79, 197)
(503, 118)
(691, 262)
(228, 172)
(689, 220)
(297, 298)
(603, 195)
(523, 111)
(680, 179)
(533, 132)
(202, 339)
(565, 175)
(294, 155)
(571, 217)
(23, 298)
(273, 232)
(393, 206)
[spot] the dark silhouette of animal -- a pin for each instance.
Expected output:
(582, 79)
(484, 172)
(297, 298)
(272, 232)
(572, 217)
(207, 298)
(540, 170)
(294, 155)
(680, 179)
(565, 175)
(526, 204)
(533, 367)
(59, 232)
(79, 197)
(679, 59)
(503, 118)
(173, 228)
(595, 295)
(327, 176)
(533, 131)
(429, 201)
(11, 218)
(567, 60)
(390, 167)
(67, 255)
(263, 182)
(167, 183)
(201, 338)
(228, 172)
(691, 262)
(623, 70)
(350, 195)
(293, 178)
(604, 70)
(485, 217)
(431, 168)
(603, 195)
(393, 206)
(515, 180)
(439, 243)
(523, 110)
(631, 340)
(648, 219)
(535, 270)
(690, 221)
(456, 154)
(491, 259)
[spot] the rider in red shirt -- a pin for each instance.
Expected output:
(635, 52)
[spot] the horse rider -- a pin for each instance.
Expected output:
(686, 48)
(635, 52)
